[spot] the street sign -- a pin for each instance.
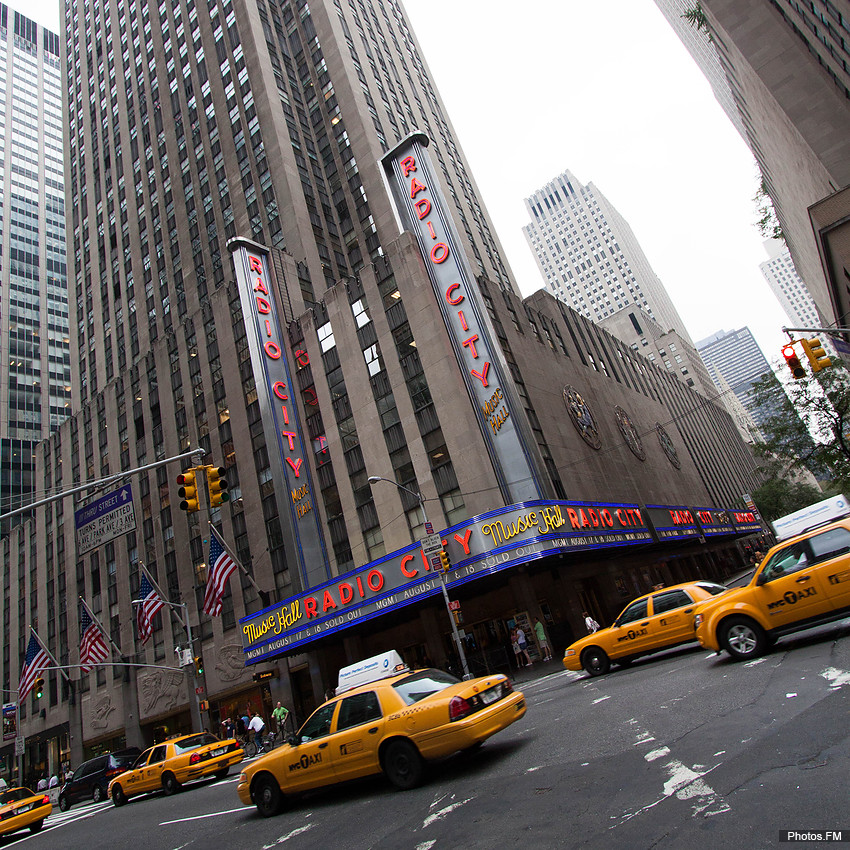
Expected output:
(431, 543)
(19, 746)
(435, 562)
(454, 605)
(429, 528)
(104, 519)
(199, 690)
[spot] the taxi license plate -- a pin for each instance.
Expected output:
(219, 752)
(491, 695)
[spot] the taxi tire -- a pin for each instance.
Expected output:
(98, 795)
(119, 798)
(403, 765)
(220, 774)
(742, 638)
(170, 784)
(35, 827)
(595, 661)
(267, 795)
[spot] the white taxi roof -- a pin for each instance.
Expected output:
(370, 670)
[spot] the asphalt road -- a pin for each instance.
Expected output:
(687, 749)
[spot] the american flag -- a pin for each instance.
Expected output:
(37, 659)
(222, 566)
(93, 648)
(149, 603)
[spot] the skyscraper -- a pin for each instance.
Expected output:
(237, 174)
(781, 276)
(589, 256)
(787, 65)
(35, 391)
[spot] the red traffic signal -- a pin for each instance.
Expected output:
(188, 492)
(793, 361)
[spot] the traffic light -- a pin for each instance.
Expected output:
(816, 354)
(793, 361)
(217, 485)
(445, 563)
(188, 491)
(199, 666)
(38, 688)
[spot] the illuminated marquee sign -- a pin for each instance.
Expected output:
(269, 358)
(714, 522)
(746, 521)
(421, 209)
(673, 522)
(487, 544)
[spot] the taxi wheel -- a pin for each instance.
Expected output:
(220, 774)
(595, 661)
(118, 795)
(64, 805)
(98, 795)
(170, 784)
(742, 638)
(35, 827)
(267, 796)
(403, 765)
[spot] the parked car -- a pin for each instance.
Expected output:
(804, 581)
(91, 779)
(385, 718)
(650, 623)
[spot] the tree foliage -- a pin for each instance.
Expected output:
(807, 427)
(779, 496)
(768, 224)
(695, 16)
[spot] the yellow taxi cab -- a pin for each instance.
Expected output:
(384, 717)
(650, 623)
(166, 766)
(20, 808)
(803, 581)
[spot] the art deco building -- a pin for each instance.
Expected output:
(589, 256)
(238, 173)
(35, 391)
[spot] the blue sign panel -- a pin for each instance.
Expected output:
(105, 519)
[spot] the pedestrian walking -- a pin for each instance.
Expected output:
(592, 625)
(522, 643)
(256, 726)
(542, 640)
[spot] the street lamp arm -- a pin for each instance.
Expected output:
(373, 478)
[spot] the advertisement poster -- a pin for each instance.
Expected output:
(10, 722)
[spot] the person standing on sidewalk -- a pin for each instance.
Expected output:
(542, 640)
(522, 643)
(280, 714)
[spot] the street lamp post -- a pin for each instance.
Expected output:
(458, 642)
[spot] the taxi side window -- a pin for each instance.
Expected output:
(786, 561)
(158, 754)
(635, 611)
(662, 602)
(358, 709)
(830, 544)
(319, 723)
(142, 759)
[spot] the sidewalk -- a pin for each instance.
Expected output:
(537, 670)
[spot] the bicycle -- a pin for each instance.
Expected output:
(267, 744)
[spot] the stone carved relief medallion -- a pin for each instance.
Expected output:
(582, 417)
(630, 433)
(667, 445)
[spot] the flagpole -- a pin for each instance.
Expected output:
(100, 626)
(50, 656)
(233, 556)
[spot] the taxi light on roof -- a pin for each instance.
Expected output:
(370, 670)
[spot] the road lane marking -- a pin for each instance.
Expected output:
(439, 815)
(292, 834)
(208, 815)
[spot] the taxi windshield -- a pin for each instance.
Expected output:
(15, 794)
(194, 742)
(423, 684)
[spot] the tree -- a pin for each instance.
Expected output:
(807, 427)
(695, 16)
(779, 496)
(768, 224)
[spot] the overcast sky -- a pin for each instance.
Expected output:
(606, 90)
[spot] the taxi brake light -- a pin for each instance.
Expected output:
(45, 800)
(507, 687)
(459, 708)
(194, 758)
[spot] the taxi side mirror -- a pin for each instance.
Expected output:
(293, 740)
(762, 578)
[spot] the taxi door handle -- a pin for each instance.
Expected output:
(802, 579)
(688, 610)
(373, 730)
(645, 623)
(322, 746)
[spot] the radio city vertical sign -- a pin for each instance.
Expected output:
(422, 210)
(281, 423)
